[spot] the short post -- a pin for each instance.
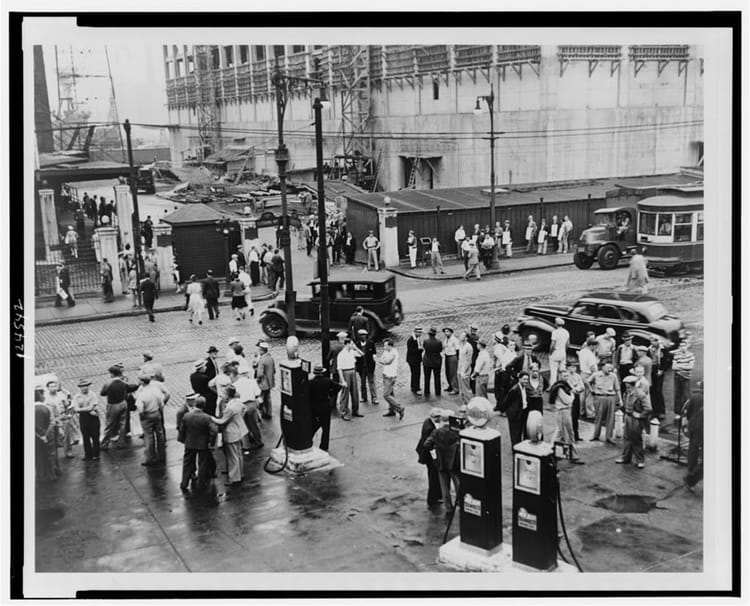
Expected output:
(108, 247)
(653, 435)
(49, 220)
(387, 220)
(124, 204)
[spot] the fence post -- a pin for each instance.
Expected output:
(124, 205)
(49, 220)
(108, 247)
(164, 254)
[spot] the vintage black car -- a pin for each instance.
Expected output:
(640, 315)
(374, 291)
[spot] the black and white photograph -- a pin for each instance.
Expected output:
(374, 308)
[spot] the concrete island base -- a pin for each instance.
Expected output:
(466, 557)
(302, 461)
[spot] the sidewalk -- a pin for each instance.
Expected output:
(94, 307)
(454, 269)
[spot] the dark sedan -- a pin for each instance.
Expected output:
(640, 315)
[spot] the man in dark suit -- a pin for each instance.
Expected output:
(473, 339)
(199, 383)
(63, 277)
(516, 407)
(414, 351)
(445, 443)
(365, 366)
(200, 433)
(358, 322)
(212, 364)
(432, 361)
(211, 293)
(522, 362)
(425, 458)
(241, 262)
(323, 392)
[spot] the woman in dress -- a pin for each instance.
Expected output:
(196, 303)
(239, 302)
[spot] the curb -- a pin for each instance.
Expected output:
(130, 312)
(492, 272)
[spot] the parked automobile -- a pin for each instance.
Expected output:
(375, 292)
(640, 315)
(609, 239)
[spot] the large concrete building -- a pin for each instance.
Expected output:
(564, 112)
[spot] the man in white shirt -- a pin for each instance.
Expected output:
(345, 365)
(501, 357)
(589, 364)
(565, 231)
(459, 237)
(482, 369)
(435, 258)
(149, 401)
(465, 355)
(562, 397)
(389, 360)
(244, 277)
(372, 245)
(451, 345)
(411, 243)
(249, 394)
(506, 239)
(559, 341)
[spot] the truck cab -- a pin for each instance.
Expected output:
(611, 237)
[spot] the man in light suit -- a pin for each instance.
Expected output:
(265, 374)
(200, 433)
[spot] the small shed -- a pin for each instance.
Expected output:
(202, 238)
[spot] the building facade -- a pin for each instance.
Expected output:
(560, 112)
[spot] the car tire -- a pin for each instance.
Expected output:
(542, 338)
(608, 257)
(398, 313)
(274, 327)
(582, 261)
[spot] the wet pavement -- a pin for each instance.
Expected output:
(368, 515)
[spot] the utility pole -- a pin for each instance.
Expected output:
(136, 219)
(325, 343)
(490, 100)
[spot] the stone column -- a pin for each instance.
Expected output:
(388, 235)
(124, 206)
(164, 254)
(108, 246)
(49, 220)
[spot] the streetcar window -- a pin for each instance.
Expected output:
(683, 227)
(648, 224)
(699, 227)
(665, 225)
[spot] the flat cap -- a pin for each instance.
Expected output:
(84, 383)
(233, 340)
(433, 331)
(263, 345)
(144, 374)
(611, 332)
(191, 396)
(148, 354)
(627, 336)
(630, 379)
(342, 333)
(559, 321)
(115, 369)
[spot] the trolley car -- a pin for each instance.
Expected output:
(671, 229)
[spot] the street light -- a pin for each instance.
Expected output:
(490, 100)
(319, 104)
(224, 227)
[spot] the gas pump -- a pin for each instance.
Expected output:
(297, 453)
(480, 496)
(535, 499)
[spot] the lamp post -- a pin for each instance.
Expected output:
(490, 100)
(136, 218)
(281, 83)
(224, 227)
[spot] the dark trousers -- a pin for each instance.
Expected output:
(148, 303)
(206, 467)
(516, 427)
(70, 300)
(633, 438)
(575, 415)
(210, 398)
(657, 395)
(433, 372)
(115, 423)
(500, 387)
(107, 292)
(254, 273)
(265, 404)
(451, 372)
(434, 492)
(623, 371)
(416, 374)
(695, 448)
(321, 418)
(153, 435)
(681, 393)
(89, 434)
(213, 307)
(251, 420)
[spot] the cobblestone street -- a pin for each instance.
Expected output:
(368, 515)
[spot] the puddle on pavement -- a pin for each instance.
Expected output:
(627, 503)
(47, 516)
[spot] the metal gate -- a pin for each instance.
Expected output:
(84, 270)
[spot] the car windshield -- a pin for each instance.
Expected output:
(657, 311)
(605, 218)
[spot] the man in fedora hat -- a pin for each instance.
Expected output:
(365, 366)
(432, 361)
(265, 374)
(241, 262)
(414, 350)
(323, 392)
(212, 364)
(87, 406)
(199, 383)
